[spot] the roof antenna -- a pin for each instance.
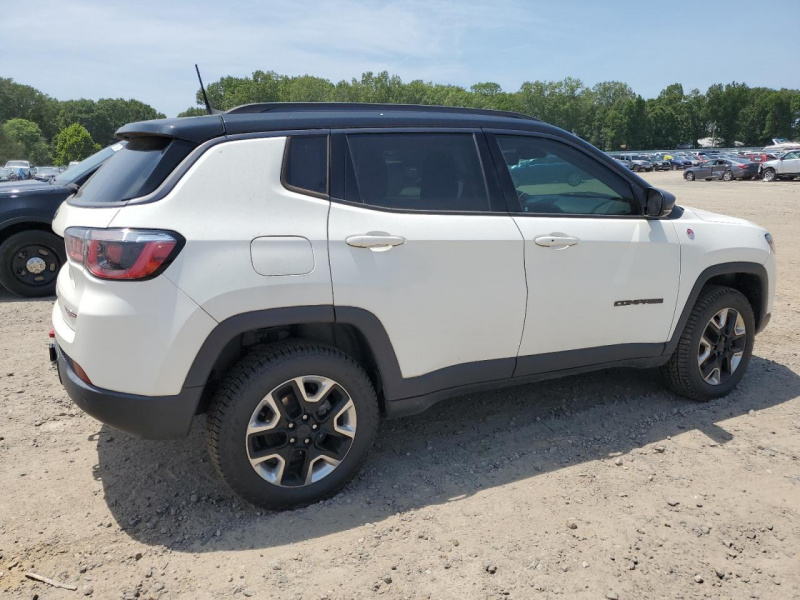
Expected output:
(209, 110)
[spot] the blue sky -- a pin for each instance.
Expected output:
(147, 49)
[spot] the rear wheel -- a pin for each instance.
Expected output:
(29, 263)
(727, 176)
(715, 347)
(291, 424)
(689, 176)
(770, 175)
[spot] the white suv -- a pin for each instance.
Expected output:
(297, 271)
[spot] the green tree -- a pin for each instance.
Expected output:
(27, 137)
(74, 143)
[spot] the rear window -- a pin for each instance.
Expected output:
(136, 170)
(305, 164)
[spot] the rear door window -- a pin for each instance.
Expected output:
(134, 171)
(416, 171)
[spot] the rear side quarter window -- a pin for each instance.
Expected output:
(305, 165)
(135, 171)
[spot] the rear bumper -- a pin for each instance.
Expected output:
(149, 417)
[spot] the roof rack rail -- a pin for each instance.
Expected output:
(261, 107)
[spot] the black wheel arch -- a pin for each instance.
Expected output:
(750, 279)
(356, 332)
(9, 228)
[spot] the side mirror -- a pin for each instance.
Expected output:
(659, 203)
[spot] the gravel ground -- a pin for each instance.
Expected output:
(597, 486)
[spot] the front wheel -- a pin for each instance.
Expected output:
(770, 175)
(30, 261)
(291, 424)
(715, 347)
(689, 176)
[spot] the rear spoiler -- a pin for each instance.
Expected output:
(191, 129)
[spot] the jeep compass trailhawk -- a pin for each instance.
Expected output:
(375, 260)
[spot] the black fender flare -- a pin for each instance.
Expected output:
(370, 327)
(731, 268)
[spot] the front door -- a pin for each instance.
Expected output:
(790, 165)
(422, 240)
(602, 279)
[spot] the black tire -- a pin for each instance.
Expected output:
(689, 176)
(682, 373)
(770, 175)
(674, 167)
(20, 248)
(254, 377)
(727, 176)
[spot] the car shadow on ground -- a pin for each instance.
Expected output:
(167, 493)
(6, 296)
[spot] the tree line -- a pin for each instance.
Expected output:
(36, 127)
(609, 114)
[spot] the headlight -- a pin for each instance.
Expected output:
(771, 242)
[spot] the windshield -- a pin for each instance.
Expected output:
(75, 172)
(638, 157)
(17, 163)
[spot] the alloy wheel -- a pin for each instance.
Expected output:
(301, 431)
(722, 346)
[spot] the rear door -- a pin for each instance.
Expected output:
(602, 279)
(419, 237)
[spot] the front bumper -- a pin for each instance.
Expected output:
(149, 417)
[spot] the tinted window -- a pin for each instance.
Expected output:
(134, 171)
(555, 178)
(416, 171)
(306, 164)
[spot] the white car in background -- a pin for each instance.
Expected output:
(785, 166)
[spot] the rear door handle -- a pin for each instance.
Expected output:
(557, 241)
(378, 242)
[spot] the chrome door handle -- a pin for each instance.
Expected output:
(556, 241)
(375, 241)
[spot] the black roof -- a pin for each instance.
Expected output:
(278, 116)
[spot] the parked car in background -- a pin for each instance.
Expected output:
(659, 164)
(20, 169)
(545, 169)
(679, 162)
(46, 173)
(639, 162)
(786, 166)
(5, 174)
(759, 157)
(624, 163)
(30, 253)
(722, 168)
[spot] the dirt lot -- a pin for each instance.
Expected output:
(599, 486)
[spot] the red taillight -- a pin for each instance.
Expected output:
(75, 244)
(743, 166)
(122, 254)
